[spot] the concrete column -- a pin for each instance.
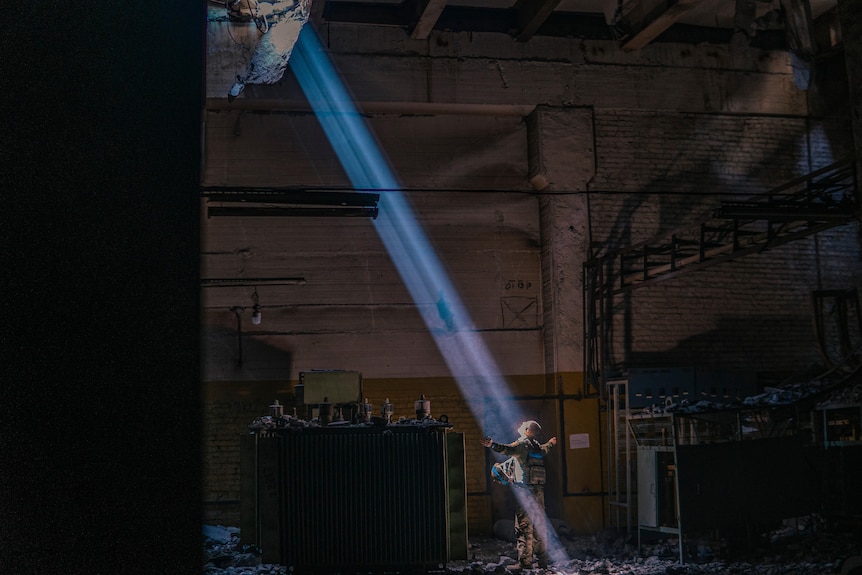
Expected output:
(562, 162)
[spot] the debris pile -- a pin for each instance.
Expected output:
(772, 396)
(605, 554)
(846, 396)
(223, 554)
(787, 552)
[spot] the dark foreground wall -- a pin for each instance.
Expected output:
(99, 161)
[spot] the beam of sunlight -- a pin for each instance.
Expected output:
(423, 274)
(556, 551)
(468, 359)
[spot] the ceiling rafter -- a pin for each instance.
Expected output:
(800, 28)
(429, 12)
(525, 19)
(315, 13)
(654, 28)
(531, 15)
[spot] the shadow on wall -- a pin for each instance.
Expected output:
(667, 214)
(685, 187)
(224, 357)
(782, 346)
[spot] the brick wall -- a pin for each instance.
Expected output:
(223, 423)
(655, 172)
(228, 408)
(665, 172)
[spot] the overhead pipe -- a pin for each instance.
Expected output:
(370, 108)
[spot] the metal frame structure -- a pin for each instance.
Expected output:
(762, 437)
(823, 199)
(619, 452)
(649, 445)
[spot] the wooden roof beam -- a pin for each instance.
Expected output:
(799, 26)
(662, 22)
(315, 12)
(430, 11)
(531, 15)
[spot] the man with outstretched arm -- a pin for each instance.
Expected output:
(528, 478)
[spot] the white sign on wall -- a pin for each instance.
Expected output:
(579, 440)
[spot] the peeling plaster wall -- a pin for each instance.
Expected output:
(426, 151)
(382, 65)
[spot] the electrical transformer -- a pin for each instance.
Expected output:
(355, 497)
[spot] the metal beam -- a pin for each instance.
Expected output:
(663, 273)
(799, 27)
(784, 212)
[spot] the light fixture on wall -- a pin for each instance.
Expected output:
(255, 314)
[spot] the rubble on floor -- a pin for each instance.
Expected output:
(788, 551)
(846, 396)
(224, 554)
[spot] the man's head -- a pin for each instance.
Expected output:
(530, 429)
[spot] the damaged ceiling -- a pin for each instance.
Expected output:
(634, 23)
(809, 29)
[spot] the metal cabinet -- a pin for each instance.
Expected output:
(657, 508)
